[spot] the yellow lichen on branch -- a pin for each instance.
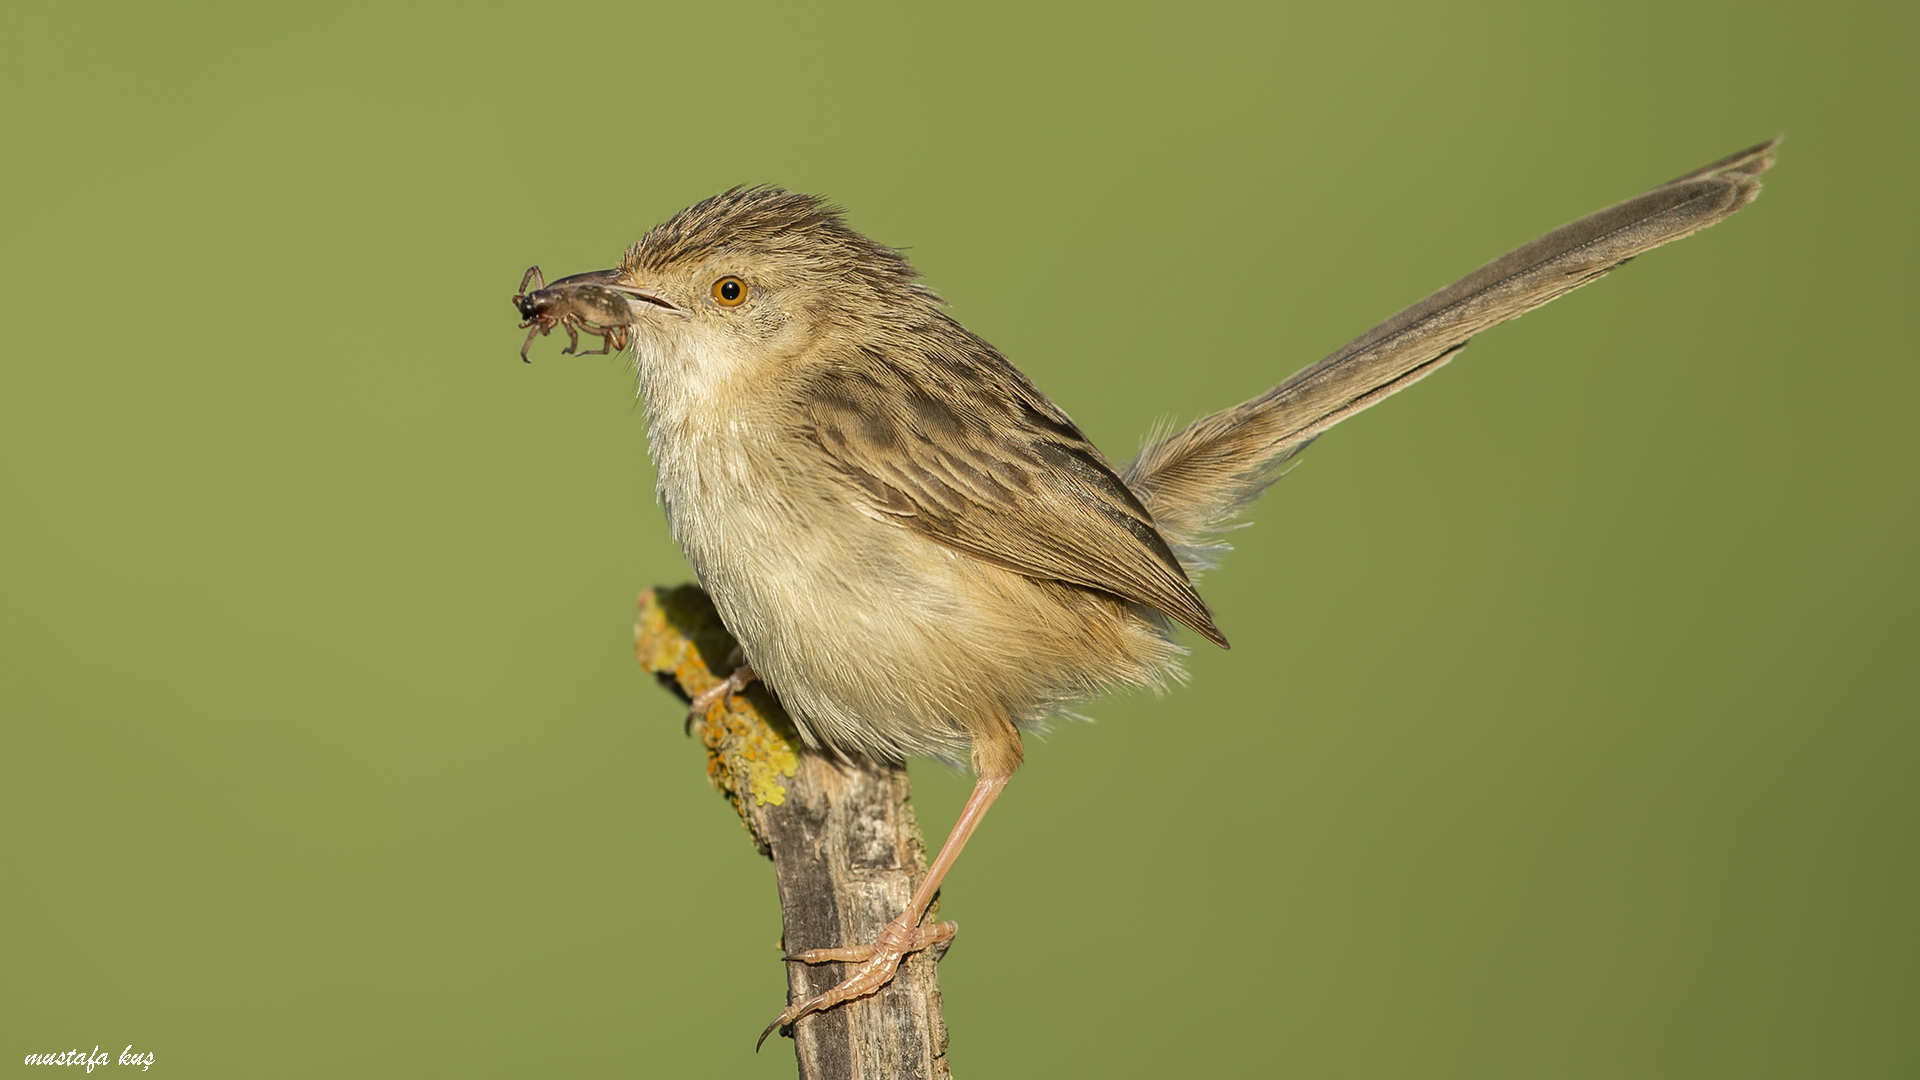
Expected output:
(751, 745)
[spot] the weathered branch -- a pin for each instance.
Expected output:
(846, 850)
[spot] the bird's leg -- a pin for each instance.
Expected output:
(742, 677)
(876, 963)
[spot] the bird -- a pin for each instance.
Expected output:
(920, 553)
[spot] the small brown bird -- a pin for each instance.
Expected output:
(917, 550)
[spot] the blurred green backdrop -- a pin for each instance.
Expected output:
(1569, 728)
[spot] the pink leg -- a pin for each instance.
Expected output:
(743, 676)
(877, 962)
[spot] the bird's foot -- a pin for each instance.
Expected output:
(874, 965)
(722, 691)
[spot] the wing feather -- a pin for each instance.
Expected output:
(964, 450)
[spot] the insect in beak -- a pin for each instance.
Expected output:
(584, 303)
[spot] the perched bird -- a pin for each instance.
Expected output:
(917, 550)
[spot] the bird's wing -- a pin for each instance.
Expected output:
(965, 451)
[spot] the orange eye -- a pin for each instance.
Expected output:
(729, 291)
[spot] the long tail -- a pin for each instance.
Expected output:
(1195, 480)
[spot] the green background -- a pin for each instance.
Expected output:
(1569, 727)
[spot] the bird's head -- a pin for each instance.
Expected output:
(759, 276)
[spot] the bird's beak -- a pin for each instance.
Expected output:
(636, 292)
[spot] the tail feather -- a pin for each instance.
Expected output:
(1197, 479)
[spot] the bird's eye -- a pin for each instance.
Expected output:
(729, 291)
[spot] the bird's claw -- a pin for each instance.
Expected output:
(876, 966)
(723, 691)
